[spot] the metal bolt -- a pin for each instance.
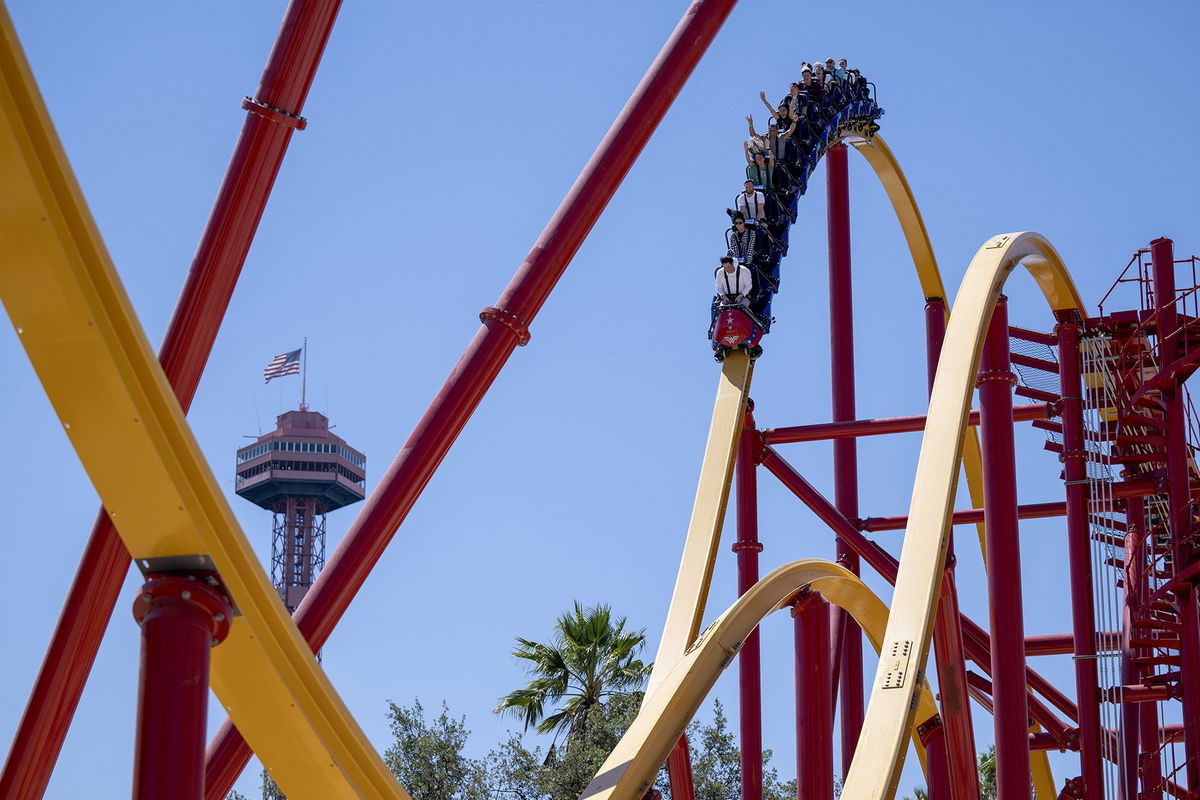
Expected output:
(147, 597)
(219, 617)
(215, 641)
(185, 594)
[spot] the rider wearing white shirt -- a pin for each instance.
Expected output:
(752, 203)
(733, 282)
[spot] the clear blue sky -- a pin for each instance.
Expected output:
(441, 138)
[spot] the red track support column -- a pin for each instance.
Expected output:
(932, 735)
(848, 657)
(1149, 764)
(814, 699)
(182, 618)
(1162, 254)
(1079, 548)
(1004, 562)
(504, 328)
(679, 771)
(747, 548)
(955, 735)
(185, 349)
(935, 335)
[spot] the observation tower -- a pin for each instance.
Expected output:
(299, 472)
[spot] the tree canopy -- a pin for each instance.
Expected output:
(590, 658)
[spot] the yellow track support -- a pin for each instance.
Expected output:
(686, 614)
(627, 772)
(78, 328)
(890, 710)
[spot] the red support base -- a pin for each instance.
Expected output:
(182, 618)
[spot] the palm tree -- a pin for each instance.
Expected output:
(591, 658)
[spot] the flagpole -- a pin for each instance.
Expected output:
(304, 375)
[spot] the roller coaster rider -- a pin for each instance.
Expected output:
(830, 100)
(733, 283)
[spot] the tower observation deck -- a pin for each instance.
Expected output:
(300, 471)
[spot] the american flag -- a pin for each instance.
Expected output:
(284, 364)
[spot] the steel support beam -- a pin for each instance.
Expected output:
(814, 698)
(1135, 556)
(1162, 255)
(182, 619)
(847, 647)
(747, 547)
(1149, 763)
(1004, 561)
(877, 427)
(504, 327)
(1079, 548)
(679, 771)
(933, 736)
(185, 349)
(952, 737)
(967, 517)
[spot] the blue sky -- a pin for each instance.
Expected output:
(441, 138)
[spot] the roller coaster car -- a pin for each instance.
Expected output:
(735, 326)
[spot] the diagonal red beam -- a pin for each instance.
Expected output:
(273, 114)
(504, 327)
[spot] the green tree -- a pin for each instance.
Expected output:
(919, 793)
(518, 773)
(270, 790)
(234, 794)
(987, 774)
(427, 758)
(591, 657)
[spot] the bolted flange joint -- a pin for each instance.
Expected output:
(1073, 788)
(196, 596)
(801, 600)
(1072, 455)
(1003, 375)
(738, 547)
(272, 114)
(927, 727)
(508, 320)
